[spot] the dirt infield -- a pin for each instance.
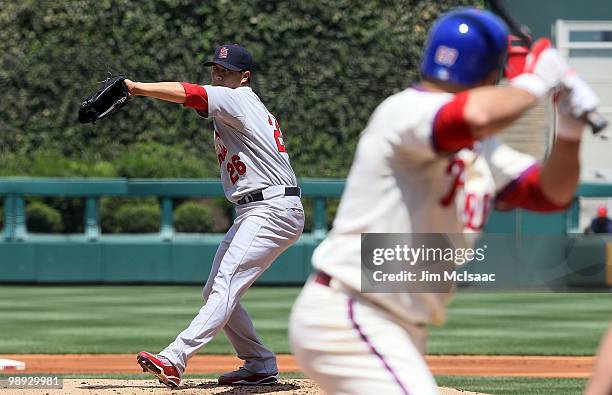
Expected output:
(441, 365)
(199, 387)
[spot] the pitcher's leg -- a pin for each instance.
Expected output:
(228, 285)
(221, 250)
(240, 330)
(165, 366)
(283, 228)
(257, 242)
(249, 347)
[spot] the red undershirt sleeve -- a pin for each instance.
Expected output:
(450, 130)
(196, 97)
(525, 192)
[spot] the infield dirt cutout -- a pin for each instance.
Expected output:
(190, 386)
(87, 364)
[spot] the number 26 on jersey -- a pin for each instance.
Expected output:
(235, 167)
(278, 135)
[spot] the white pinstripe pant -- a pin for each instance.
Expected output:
(349, 346)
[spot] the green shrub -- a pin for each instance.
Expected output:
(48, 163)
(128, 215)
(108, 213)
(54, 164)
(192, 217)
(155, 160)
(139, 218)
(72, 210)
(42, 218)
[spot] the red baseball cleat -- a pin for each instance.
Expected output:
(161, 367)
(246, 377)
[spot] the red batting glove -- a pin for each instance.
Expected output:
(544, 69)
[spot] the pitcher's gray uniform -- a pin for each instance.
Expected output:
(258, 178)
(252, 158)
(248, 142)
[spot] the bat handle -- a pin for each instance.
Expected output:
(596, 121)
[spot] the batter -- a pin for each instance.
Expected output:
(428, 162)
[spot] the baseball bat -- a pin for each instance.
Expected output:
(595, 120)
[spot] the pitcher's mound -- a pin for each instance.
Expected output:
(189, 386)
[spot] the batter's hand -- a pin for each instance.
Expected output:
(576, 99)
(544, 69)
(581, 98)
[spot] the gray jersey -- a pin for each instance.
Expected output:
(248, 142)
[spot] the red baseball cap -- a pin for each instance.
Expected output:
(602, 211)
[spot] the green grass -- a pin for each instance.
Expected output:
(523, 324)
(514, 385)
(122, 319)
(127, 319)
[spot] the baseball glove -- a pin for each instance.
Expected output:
(110, 98)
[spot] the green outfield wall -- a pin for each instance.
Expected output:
(541, 15)
(170, 257)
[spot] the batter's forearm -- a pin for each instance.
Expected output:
(561, 172)
(169, 91)
(491, 109)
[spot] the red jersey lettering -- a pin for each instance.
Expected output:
(278, 135)
(456, 169)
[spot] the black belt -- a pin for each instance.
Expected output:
(258, 196)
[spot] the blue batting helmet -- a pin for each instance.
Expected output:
(464, 46)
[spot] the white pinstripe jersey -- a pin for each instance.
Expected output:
(399, 184)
